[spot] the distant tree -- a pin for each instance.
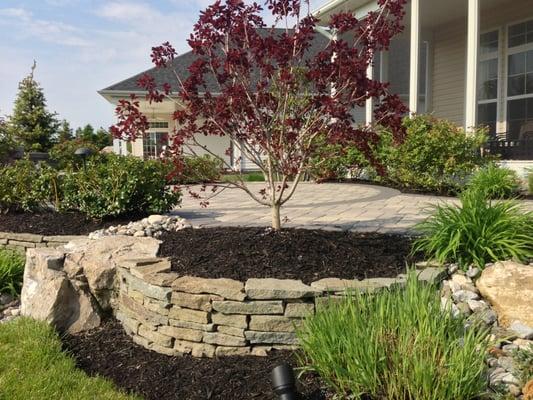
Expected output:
(101, 138)
(31, 123)
(64, 133)
(6, 141)
(86, 133)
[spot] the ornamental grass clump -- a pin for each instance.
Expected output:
(497, 182)
(477, 231)
(11, 271)
(395, 345)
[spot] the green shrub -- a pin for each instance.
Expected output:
(255, 177)
(11, 271)
(478, 231)
(524, 363)
(63, 153)
(395, 345)
(33, 366)
(27, 187)
(201, 169)
(497, 182)
(435, 156)
(117, 185)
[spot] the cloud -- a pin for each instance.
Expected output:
(128, 11)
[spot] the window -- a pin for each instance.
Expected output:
(154, 144)
(519, 96)
(488, 85)
(158, 125)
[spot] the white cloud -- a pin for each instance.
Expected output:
(128, 11)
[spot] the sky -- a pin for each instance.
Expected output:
(82, 46)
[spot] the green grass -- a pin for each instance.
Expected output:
(32, 366)
(395, 345)
(247, 177)
(530, 181)
(11, 272)
(477, 232)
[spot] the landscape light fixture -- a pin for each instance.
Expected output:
(83, 152)
(284, 383)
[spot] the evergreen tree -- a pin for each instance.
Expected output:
(103, 138)
(64, 134)
(86, 133)
(31, 123)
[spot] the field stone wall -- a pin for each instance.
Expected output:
(75, 285)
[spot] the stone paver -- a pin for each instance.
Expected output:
(332, 206)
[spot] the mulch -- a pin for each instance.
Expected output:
(53, 223)
(109, 352)
(309, 255)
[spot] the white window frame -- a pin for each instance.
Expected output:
(156, 129)
(508, 51)
(491, 56)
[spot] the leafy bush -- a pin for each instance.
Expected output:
(478, 231)
(395, 345)
(435, 156)
(117, 185)
(254, 177)
(63, 153)
(524, 363)
(33, 366)
(201, 169)
(497, 182)
(11, 271)
(27, 187)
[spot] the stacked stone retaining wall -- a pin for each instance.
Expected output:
(23, 241)
(219, 317)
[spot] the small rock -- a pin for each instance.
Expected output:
(473, 273)
(153, 219)
(5, 299)
(509, 347)
(523, 331)
(464, 309)
(453, 268)
(477, 305)
(514, 390)
(488, 316)
(506, 363)
(139, 234)
(464, 295)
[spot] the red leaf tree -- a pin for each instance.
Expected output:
(275, 92)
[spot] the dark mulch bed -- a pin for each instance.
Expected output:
(109, 352)
(53, 223)
(309, 255)
(407, 190)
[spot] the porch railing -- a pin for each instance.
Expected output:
(511, 149)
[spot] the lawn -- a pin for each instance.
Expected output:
(32, 366)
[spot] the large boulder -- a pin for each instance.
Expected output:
(508, 286)
(71, 286)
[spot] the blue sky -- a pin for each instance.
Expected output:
(82, 46)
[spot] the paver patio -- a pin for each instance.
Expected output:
(332, 206)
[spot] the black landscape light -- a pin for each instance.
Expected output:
(284, 383)
(83, 152)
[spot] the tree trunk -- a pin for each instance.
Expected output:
(276, 217)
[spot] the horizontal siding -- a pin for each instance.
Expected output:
(449, 71)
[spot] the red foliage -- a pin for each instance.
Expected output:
(273, 95)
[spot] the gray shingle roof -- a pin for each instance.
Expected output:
(181, 64)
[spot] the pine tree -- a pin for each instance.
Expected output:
(86, 133)
(64, 134)
(31, 123)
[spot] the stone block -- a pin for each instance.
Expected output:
(227, 288)
(62, 239)
(3, 241)
(256, 337)
(159, 307)
(224, 351)
(154, 336)
(432, 274)
(137, 311)
(136, 295)
(141, 341)
(299, 310)
(194, 301)
(203, 350)
(140, 270)
(269, 323)
(237, 321)
(190, 335)
(153, 291)
(185, 314)
(230, 330)
(18, 243)
(192, 325)
(223, 340)
(249, 307)
(164, 279)
(130, 325)
(168, 351)
(272, 289)
(335, 284)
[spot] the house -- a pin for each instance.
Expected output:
(468, 61)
